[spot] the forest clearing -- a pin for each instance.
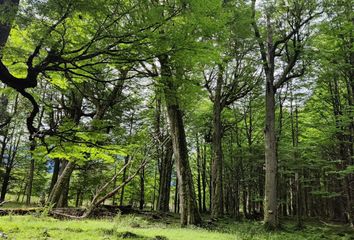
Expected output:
(176, 119)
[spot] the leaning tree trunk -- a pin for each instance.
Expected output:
(55, 174)
(57, 190)
(64, 196)
(121, 200)
(187, 197)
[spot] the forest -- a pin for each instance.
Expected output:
(176, 119)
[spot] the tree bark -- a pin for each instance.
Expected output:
(217, 205)
(55, 173)
(271, 163)
(165, 178)
(187, 196)
(55, 194)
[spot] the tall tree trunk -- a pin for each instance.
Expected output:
(268, 47)
(204, 178)
(217, 205)
(295, 142)
(343, 202)
(188, 205)
(270, 197)
(199, 166)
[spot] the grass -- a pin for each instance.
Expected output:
(144, 228)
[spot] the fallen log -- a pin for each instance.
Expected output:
(19, 211)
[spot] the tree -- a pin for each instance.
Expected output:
(287, 42)
(187, 197)
(230, 81)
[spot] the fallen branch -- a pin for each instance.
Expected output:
(19, 211)
(96, 202)
(3, 202)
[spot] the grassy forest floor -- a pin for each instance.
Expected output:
(145, 227)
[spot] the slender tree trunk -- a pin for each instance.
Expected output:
(199, 175)
(30, 176)
(204, 179)
(142, 189)
(295, 143)
(156, 170)
(176, 197)
(121, 200)
(78, 194)
(2, 163)
(114, 185)
(217, 204)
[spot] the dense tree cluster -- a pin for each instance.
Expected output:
(238, 108)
